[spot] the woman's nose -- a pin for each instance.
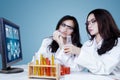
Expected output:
(65, 28)
(90, 25)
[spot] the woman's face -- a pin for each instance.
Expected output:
(66, 28)
(92, 25)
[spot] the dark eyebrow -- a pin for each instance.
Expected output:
(68, 25)
(92, 19)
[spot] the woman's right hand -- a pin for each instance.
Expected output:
(58, 38)
(71, 49)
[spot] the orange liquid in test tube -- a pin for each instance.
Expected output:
(47, 68)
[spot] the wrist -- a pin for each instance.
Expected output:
(60, 46)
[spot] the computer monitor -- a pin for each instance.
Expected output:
(10, 46)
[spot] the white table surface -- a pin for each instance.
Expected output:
(72, 76)
(89, 76)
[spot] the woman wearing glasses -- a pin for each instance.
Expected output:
(67, 26)
(100, 54)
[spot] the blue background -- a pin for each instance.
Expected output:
(38, 18)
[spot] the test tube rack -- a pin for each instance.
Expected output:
(44, 71)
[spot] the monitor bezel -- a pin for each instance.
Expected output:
(5, 64)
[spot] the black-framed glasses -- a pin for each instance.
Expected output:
(65, 25)
(92, 21)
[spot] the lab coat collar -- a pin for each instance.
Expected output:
(97, 45)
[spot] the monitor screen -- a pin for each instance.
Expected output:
(10, 46)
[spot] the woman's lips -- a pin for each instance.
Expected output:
(63, 34)
(90, 30)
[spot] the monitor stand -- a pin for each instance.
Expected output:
(11, 70)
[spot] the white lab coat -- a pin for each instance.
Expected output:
(104, 64)
(60, 57)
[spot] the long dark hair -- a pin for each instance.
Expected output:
(75, 34)
(108, 30)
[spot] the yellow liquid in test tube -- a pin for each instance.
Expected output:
(41, 63)
(52, 58)
(53, 72)
(36, 68)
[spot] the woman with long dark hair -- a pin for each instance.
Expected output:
(67, 26)
(100, 54)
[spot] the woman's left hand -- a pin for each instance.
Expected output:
(71, 49)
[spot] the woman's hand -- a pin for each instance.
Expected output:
(58, 38)
(71, 49)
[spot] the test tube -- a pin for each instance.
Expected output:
(53, 69)
(36, 62)
(41, 63)
(47, 68)
(68, 40)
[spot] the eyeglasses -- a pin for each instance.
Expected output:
(65, 25)
(92, 21)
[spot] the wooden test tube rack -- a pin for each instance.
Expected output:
(39, 71)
